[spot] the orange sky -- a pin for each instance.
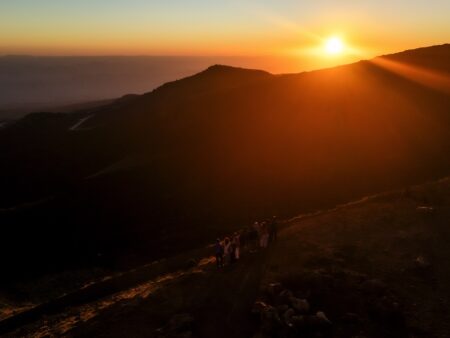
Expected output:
(287, 34)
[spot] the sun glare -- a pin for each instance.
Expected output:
(334, 46)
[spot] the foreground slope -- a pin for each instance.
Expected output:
(376, 268)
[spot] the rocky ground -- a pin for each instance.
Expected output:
(376, 268)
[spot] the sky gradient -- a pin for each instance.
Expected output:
(266, 28)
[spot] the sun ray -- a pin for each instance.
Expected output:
(427, 77)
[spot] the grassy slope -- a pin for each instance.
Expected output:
(328, 258)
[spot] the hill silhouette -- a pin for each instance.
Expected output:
(151, 175)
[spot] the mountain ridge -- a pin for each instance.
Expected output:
(212, 153)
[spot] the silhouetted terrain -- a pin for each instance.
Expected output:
(29, 83)
(51, 83)
(152, 175)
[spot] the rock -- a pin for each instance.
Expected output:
(324, 319)
(287, 317)
(298, 322)
(319, 320)
(422, 263)
(270, 320)
(179, 326)
(180, 323)
(274, 289)
(282, 297)
(187, 334)
(374, 287)
(259, 307)
(388, 310)
(282, 308)
(311, 321)
(425, 209)
(300, 305)
(350, 318)
(285, 295)
(261, 334)
(191, 263)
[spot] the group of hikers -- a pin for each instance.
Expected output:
(228, 250)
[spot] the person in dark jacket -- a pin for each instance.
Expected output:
(273, 229)
(219, 253)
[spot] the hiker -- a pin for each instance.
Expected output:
(227, 251)
(237, 245)
(258, 229)
(219, 253)
(232, 250)
(263, 235)
(257, 233)
(273, 229)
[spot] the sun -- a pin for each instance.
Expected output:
(334, 46)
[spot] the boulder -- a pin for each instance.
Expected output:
(270, 320)
(180, 323)
(274, 289)
(387, 309)
(300, 305)
(323, 318)
(298, 322)
(282, 308)
(374, 287)
(285, 296)
(288, 317)
(350, 318)
(317, 321)
(259, 307)
(422, 263)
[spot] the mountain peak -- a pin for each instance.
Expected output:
(225, 69)
(220, 67)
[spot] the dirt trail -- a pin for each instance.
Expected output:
(231, 293)
(219, 300)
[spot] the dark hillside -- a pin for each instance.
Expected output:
(171, 169)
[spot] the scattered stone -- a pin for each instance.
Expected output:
(288, 317)
(187, 334)
(373, 286)
(282, 308)
(350, 318)
(179, 326)
(300, 305)
(274, 289)
(317, 321)
(324, 319)
(387, 310)
(425, 209)
(285, 295)
(298, 322)
(270, 320)
(191, 263)
(422, 263)
(259, 307)
(181, 322)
